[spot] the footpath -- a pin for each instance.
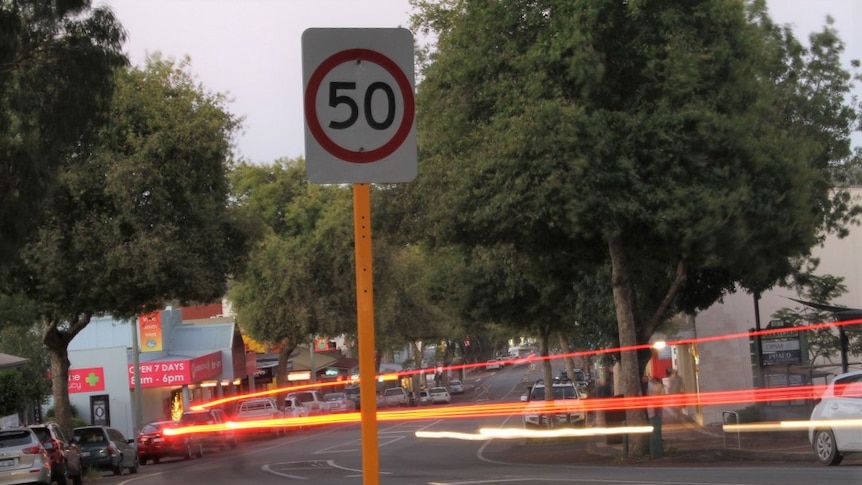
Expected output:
(683, 442)
(686, 441)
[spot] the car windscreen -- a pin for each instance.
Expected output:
(90, 436)
(42, 434)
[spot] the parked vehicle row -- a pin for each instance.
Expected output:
(105, 448)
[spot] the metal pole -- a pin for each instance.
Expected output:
(139, 400)
(365, 322)
(758, 351)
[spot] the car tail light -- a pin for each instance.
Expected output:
(111, 450)
(33, 450)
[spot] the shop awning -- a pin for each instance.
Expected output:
(8, 361)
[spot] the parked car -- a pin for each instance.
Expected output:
(312, 400)
(456, 386)
(842, 400)
(293, 408)
(439, 395)
(55, 442)
(219, 439)
(260, 408)
(153, 444)
(492, 364)
(353, 394)
(23, 456)
(338, 402)
(567, 410)
(105, 448)
(424, 398)
(396, 396)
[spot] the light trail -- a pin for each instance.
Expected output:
(793, 425)
(510, 408)
(474, 411)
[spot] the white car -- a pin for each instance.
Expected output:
(832, 439)
(293, 408)
(439, 395)
(456, 387)
(492, 364)
(338, 402)
(565, 410)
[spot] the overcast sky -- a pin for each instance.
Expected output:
(251, 49)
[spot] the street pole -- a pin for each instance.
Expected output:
(136, 360)
(758, 351)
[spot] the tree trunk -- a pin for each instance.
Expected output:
(547, 374)
(570, 365)
(624, 304)
(58, 350)
(281, 371)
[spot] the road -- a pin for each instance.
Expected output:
(332, 455)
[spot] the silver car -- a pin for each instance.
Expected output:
(23, 459)
(835, 429)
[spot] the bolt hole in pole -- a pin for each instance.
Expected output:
(724, 417)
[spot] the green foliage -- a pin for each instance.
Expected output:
(140, 217)
(11, 392)
(823, 343)
(298, 281)
(57, 61)
(689, 147)
(19, 336)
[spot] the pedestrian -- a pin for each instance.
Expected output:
(73, 464)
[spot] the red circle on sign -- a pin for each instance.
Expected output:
(311, 106)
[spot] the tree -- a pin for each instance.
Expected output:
(140, 218)
(57, 61)
(28, 385)
(298, 282)
(823, 343)
(695, 144)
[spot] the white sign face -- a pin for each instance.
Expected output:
(360, 110)
(779, 345)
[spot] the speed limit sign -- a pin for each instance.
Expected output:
(360, 111)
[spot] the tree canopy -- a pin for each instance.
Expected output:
(57, 61)
(688, 146)
(140, 218)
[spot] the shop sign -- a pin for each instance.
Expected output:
(90, 379)
(177, 372)
(150, 328)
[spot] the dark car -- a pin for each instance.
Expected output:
(55, 442)
(154, 444)
(105, 448)
(219, 439)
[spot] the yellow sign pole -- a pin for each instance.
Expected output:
(365, 321)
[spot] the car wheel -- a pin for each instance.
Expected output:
(157, 459)
(188, 454)
(825, 447)
(134, 468)
(118, 468)
(200, 453)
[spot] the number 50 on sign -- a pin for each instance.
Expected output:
(360, 124)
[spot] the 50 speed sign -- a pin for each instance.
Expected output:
(360, 123)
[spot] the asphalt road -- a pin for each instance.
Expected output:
(332, 455)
